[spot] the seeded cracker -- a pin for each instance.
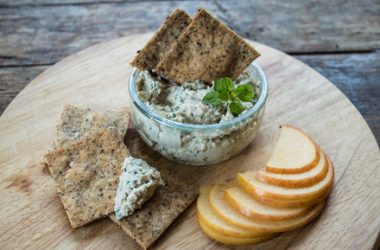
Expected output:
(77, 122)
(87, 173)
(155, 50)
(168, 202)
(206, 50)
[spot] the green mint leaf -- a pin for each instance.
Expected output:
(245, 92)
(229, 83)
(224, 95)
(223, 84)
(236, 108)
(211, 98)
(219, 85)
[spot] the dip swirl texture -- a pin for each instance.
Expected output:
(183, 103)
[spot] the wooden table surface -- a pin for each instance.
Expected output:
(340, 39)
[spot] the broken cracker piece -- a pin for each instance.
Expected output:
(157, 47)
(87, 175)
(76, 122)
(206, 50)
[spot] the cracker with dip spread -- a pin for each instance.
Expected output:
(86, 173)
(76, 122)
(160, 205)
(206, 50)
(148, 223)
(157, 47)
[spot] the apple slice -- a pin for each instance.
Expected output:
(242, 201)
(263, 191)
(300, 180)
(217, 223)
(233, 216)
(230, 240)
(295, 152)
(289, 204)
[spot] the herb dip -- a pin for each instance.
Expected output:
(183, 104)
(137, 183)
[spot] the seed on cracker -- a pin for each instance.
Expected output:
(157, 47)
(206, 50)
(76, 122)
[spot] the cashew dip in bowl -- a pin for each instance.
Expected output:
(172, 119)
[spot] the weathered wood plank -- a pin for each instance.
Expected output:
(13, 80)
(44, 34)
(12, 3)
(356, 75)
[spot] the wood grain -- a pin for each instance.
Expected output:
(7, 3)
(357, 76)
(43, 34)
(31, 215)
(13, 80)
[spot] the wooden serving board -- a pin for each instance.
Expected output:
(31, 215)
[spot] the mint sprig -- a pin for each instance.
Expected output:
(212, 98)
(224, 92)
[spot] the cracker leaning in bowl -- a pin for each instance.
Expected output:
(205, 51)
(160, 44)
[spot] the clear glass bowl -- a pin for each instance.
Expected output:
(199, 144)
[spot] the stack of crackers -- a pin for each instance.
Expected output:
(85, 163)
(202, 48)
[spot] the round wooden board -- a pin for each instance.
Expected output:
(32, 216)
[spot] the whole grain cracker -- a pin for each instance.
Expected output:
(148, 223)
(157, 47)
(87, 175)
(76, 122)
(206, 50)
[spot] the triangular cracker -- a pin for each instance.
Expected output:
(206, 50)
(157, 47)
(87, 175)
(76, 122)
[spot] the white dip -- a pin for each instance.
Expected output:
(183, 103)
(137, 183)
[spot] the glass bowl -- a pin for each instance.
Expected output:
(199, 144)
